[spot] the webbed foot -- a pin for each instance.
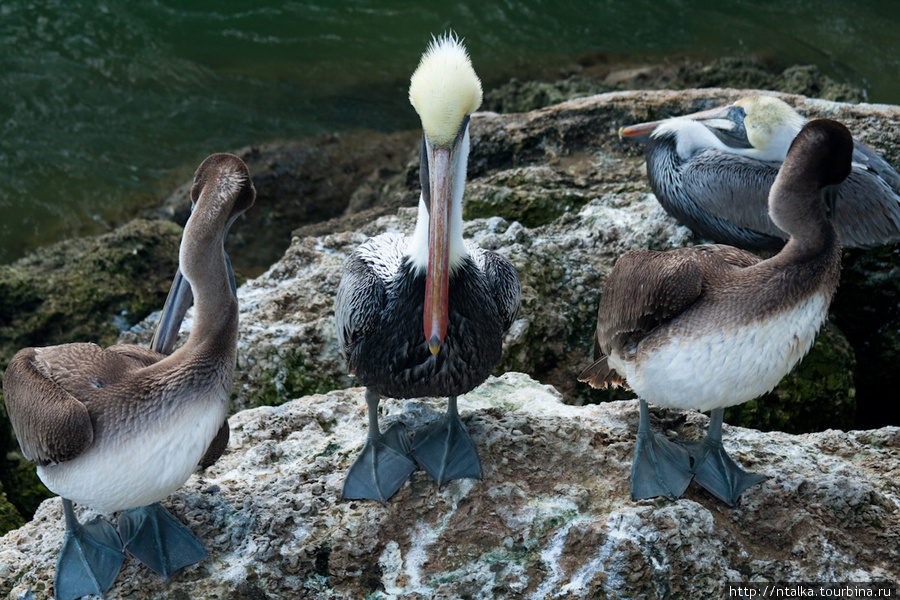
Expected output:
(660, 467)
(381, 467)
(89, 560)
(159, 540)
(444, 449)
(718, 474)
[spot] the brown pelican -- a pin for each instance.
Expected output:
(712, 326)
(712, 171)
(392, 286)
(119, 429)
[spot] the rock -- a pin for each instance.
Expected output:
(867, 308)
(600, 73)
(551, 519)
(9, 516)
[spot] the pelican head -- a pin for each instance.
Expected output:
(758, 127)
(771, 125)
(444, 90)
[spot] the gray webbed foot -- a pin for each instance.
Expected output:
(381, 467)
(89, 560)
(714, 470)
(159, 540)
(661, 467)
(444, 450)
(718, 474)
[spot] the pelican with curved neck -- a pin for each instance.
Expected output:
(119, 429)
(712, 326)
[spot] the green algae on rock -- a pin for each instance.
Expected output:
(87, 289)
(9, 516)
(295, 376)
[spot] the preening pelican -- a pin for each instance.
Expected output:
(712, 171)
(121, 428)
(425, 315)
(712, 326)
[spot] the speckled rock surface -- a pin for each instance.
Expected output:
(551, 518)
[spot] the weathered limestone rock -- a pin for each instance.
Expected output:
(551, 519)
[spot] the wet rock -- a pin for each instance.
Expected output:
(597, 74)
(552, 517)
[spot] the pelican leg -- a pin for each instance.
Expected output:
(660, 467)
(714, 469)
(159, 540)
(383, 464)
(444, 450)
(90, 558)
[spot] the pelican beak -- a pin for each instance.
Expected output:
(178, 302)
(441, 168)
(640, 132)
(713, 118)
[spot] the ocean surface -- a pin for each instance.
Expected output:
(106, 106)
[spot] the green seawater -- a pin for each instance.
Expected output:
(106, 106)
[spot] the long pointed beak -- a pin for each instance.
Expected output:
(437, 277)
(178, 302)
(641, 131)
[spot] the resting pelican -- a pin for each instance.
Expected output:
(392, 286)
(712, 171)
(712, 326)
(122, 428)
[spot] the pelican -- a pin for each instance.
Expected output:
(121, 428)
(425, 315)
(712, 171)
(712, 326)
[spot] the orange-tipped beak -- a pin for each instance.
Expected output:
(437, 277)
(638, 132)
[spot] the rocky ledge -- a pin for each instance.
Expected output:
(552, 517)
(563, 198)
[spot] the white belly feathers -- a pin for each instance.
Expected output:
(717, 368)
(129, 471)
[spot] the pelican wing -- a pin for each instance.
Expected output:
(732, 188)
(647, 288)
(644, 289)
(504, 282)
(47, 392)
(51, 424)
(360, 299)
(867, 205)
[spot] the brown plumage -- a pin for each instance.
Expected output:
(712, 326)
(70, 402)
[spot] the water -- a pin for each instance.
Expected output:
(105, 107)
